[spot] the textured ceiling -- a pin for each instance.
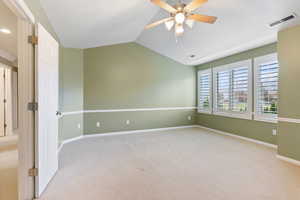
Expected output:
(8, 42)
(85, 24)
(241, 25)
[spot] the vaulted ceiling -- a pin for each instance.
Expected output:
(241, 25)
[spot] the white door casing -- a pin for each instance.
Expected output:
(2, 105)
(25, 117)
(47, 98)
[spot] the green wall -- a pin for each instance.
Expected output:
(70, 92)
(71, 79)
(132, 76)
(248, 128)
(289, 104)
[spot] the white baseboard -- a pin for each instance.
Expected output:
(68, 141)
(137, 131)
(120, 133)
(240, 137)
(287, 159)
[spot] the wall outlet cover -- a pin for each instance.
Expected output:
(127, 122)
(189, 118)
(98, 124)
(274, 132)
(78, 126)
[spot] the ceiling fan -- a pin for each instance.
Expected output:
(180, 14)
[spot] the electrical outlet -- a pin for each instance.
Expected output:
(189, 118)
(127, 122)
(78, 126)
(98, 124)
(274, 132)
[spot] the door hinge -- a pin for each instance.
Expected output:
(4, 100)
(32, 106)
(33, 172)
(32, 39)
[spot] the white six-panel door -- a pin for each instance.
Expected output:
(47, 97)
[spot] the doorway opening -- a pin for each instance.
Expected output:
(8, 103)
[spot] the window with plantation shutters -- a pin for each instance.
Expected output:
(266, 87)
(204, 91)
(240, 90)
(232, 90)
(223, 90)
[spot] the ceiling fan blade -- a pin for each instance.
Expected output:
(159, 22)
(203, 18)
(164, 5)
(194, 5)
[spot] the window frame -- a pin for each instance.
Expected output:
(200, 72)
(258, 61)
(231, 66)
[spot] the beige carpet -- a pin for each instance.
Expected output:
(8, 171)
(183, 164)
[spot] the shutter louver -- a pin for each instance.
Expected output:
(223, 90)
(240, 89)
(204, 92)
(267, 86)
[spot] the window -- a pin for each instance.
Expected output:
(204, 91)
(232, 90)
(266, 88)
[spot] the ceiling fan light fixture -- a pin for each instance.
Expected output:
(179, 29)
(169, 24)
(179, 18)
(181, 15)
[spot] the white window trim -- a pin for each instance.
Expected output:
(206, 71)
(272, 118)
(246, 115)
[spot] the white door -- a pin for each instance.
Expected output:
(47, 98)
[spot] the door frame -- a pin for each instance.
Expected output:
(26, 88)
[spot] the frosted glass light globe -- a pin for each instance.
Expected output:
(179, 18)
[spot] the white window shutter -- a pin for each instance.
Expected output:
(266, 87)
(204, 91)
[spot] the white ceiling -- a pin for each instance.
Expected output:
(8, 42)
(241, 25)
(85, 24)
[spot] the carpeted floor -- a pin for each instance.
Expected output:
(8, 171)
(180, 164)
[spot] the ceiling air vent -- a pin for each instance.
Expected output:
(292, 16)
